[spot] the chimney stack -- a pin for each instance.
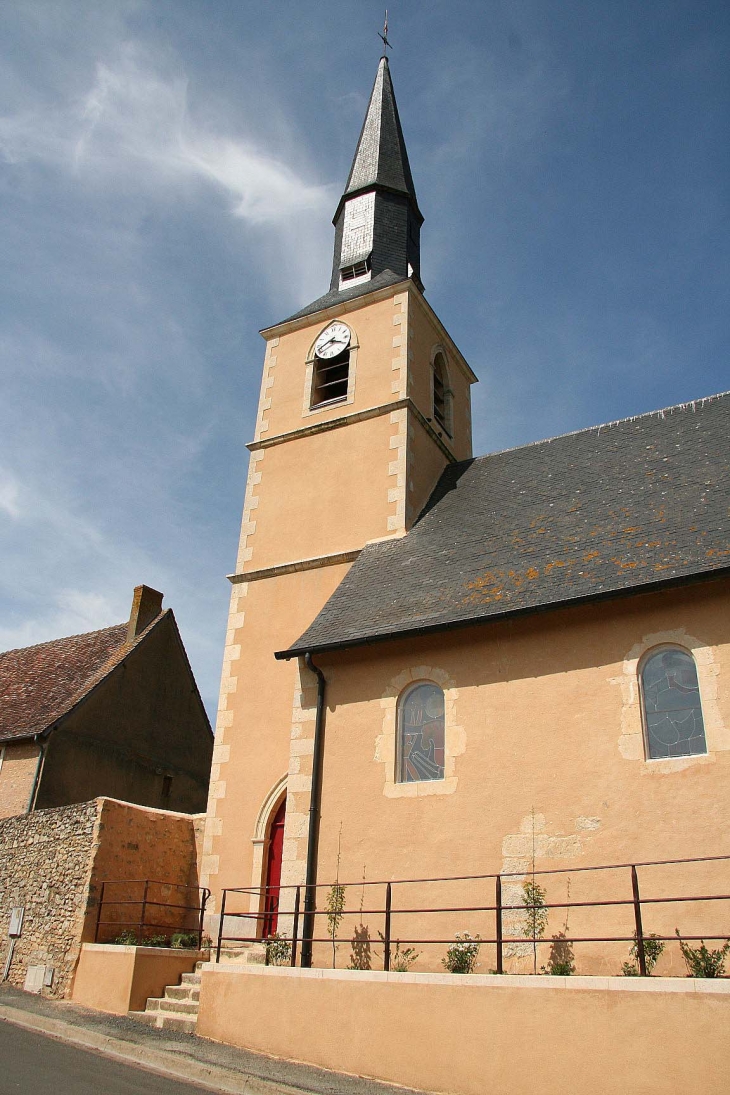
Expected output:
(146, 606)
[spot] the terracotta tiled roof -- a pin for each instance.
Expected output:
(39, 684)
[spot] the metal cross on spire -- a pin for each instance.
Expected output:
(384, 36)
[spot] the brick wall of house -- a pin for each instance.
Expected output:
(18, 762)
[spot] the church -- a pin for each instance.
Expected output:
(441, 667)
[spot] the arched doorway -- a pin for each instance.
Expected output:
(272, 876)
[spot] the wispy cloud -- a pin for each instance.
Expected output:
(8, 495)
(133, 127)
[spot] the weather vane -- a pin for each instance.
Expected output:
(384, 36)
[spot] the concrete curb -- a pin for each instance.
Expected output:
(153, 1060)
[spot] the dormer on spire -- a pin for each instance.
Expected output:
(378, 222)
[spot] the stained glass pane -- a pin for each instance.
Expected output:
(672, 706)
(421, 735)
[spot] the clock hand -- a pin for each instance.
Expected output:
(331, 342)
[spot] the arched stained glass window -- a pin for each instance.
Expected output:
(421, 734)
(672, 708)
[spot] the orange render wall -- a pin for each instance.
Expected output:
(373, 329)
(137, 842)
(253, 737)
(544, 735)
(472, 1035)
(426, 335)
(18, 763)
(324, 492)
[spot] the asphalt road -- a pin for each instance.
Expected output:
(37, 1065)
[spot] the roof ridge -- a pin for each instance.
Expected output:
(660, 413)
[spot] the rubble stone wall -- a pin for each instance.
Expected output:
(52, 863)
(45, 863)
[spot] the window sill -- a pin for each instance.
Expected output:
(341, 399)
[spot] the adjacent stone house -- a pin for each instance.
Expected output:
(114, 712)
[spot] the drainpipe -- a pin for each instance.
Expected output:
(314, 811)
(37, 777)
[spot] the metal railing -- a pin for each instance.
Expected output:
(147, 908)
(502, 914)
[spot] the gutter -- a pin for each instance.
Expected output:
(315, 798)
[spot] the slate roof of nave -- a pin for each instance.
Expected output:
(613, 509)
(39, 684)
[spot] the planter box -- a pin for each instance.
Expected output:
(120, 979)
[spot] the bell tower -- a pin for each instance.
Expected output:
(364, 401)
(378, 222)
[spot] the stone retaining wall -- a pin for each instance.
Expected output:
(52, 862)
(45, 863)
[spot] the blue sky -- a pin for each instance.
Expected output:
(168, 173)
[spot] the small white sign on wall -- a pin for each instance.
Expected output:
(34, 978)
(16, 922)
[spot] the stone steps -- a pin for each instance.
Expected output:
(248, 954)
(177, 1009)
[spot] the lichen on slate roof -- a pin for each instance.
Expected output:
(603, 511)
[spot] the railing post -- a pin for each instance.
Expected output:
(220, 927)
(98, 914)
(144, 911)
(205, 894)
(386, 936)
(641, 953)
(295, 928)
(308, 926)
(498, 918)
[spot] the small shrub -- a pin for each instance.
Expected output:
(701, 961)
(127, 938)
(653, 948)
(462, 956)
(536, 915)
(561, 962)
(184, 940)
(402, 960)
(278, 950)
(335, 906)
(154, 941)
(360, 957)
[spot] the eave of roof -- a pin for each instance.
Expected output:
(297, 650)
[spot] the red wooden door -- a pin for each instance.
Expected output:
(273, 872)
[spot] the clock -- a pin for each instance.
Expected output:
(333, 340)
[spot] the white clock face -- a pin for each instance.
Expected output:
(333, 340)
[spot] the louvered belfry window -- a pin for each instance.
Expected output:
(356, 270)
(331, 378)
(441, 394)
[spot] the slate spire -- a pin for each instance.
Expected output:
(377, 223)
